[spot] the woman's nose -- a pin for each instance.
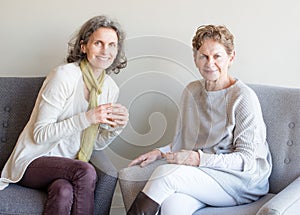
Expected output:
(104, 49)
(211, 61)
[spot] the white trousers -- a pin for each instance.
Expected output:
(182, 190)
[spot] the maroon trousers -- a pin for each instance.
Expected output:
(70, 184)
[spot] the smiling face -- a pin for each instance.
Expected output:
(213, 61)
(101, 48)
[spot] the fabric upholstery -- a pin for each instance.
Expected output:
(280, 106)
(281, 113)
(17, 98)
(16, 197)
(285, 202)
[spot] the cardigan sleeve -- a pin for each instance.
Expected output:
(50, 126)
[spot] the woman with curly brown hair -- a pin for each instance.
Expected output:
(75, 113)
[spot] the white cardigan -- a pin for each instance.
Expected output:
(57, 122)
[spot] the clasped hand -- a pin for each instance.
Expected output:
(184, 157)
(111, 114)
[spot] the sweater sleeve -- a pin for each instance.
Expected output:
(50, 126)
(248, 135)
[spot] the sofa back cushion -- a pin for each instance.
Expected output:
(17, 98)
(281, 112)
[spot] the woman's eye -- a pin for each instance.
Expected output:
(112, 45)
(97, 43)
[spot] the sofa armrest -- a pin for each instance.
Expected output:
(133, 179)
(106, 182)
(102, 162)
(286, 202)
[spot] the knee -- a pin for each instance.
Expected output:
(61, 189)
(86, 172)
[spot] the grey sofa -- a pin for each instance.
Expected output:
(281, 112)
(17, 97)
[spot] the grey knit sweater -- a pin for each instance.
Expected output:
(227, 128)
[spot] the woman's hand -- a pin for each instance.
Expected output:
(110, 114)
(185, 157)
(147, 158)
(119, 115)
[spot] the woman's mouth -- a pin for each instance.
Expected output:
(102, 58)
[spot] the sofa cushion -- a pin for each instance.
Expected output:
(20, 200)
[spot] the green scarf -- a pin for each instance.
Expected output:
(94, 86)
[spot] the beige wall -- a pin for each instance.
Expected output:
(34, 33)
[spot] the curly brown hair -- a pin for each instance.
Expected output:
(82, 36)
(218, 33)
